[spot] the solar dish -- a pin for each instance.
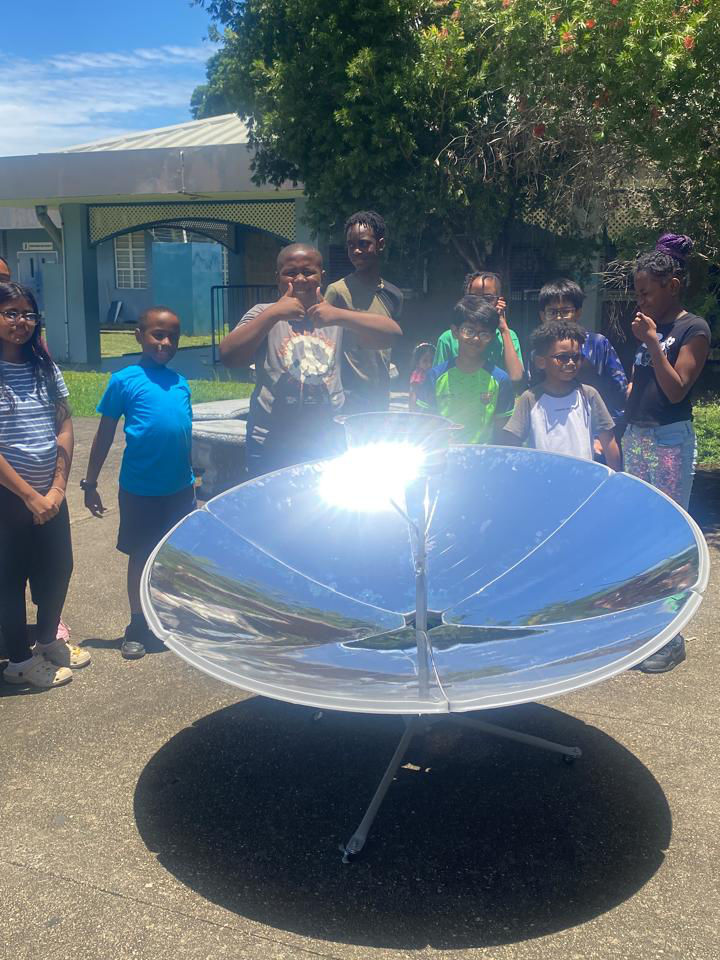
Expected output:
(407, 576)
(543, 574)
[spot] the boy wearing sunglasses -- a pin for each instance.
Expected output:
(563, 300)
(558, 413)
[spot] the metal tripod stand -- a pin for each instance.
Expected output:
(419, 528)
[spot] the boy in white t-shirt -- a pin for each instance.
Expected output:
(559, 414)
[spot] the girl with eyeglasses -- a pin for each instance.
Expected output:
(36, 447)
(504, 351)
(673, 345)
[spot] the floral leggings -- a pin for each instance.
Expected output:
(663, 456)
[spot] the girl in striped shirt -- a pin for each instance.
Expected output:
(36, 447)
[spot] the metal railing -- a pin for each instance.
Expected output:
(229, 303)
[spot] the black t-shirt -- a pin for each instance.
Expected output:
(648, 406)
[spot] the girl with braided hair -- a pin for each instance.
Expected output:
(659, 444)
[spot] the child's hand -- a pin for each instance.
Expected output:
(322, 313)
(643, 327)
(56, 496)
(94, 503)
(292, 308)
(42, 508)
(501, 306)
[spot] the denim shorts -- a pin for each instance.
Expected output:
(663, 456)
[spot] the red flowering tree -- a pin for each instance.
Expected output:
(458, 118)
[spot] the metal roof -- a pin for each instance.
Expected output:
(226, 129)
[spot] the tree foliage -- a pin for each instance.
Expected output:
(458, 118)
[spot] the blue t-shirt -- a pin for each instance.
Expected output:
(156, 405)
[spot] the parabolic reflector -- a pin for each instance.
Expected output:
(544, 574)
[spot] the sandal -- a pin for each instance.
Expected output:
(37, 672)
(64, 654)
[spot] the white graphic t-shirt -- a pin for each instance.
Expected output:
(298, 377)
(564, 424)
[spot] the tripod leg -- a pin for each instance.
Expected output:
(527, 738)
(357, 840)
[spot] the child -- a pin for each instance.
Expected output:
(504, 351)
(422, 361)
(560, 414)
(601, 367)
(63, 631)
(156, 479)
(673, 347)
(36, 448)
(296, 344)
(468, 388)
(365, 373)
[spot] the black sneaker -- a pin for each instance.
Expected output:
(152, 643)
(132, 646)
(666, 658)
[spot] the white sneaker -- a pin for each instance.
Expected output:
(63, 654)
(37, 672)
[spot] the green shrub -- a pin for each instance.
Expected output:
(707, 428)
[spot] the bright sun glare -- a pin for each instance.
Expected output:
(369, 477)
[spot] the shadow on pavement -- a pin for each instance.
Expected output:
(479, 842)
(705, 503)
(103, 643)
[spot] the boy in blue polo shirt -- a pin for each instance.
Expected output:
(156, 479)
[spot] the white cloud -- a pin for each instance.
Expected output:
(74, 98)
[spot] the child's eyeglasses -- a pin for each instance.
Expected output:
(565, 358)
(472, 333)
(552, 313)
(14, 317)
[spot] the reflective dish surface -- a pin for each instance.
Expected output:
(545, 574)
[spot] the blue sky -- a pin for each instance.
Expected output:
(86, 69)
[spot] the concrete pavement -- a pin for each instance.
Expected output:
(151, 812)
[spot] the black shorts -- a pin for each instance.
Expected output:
(144, 521)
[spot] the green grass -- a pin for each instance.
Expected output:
(707, 428)
(116, 343)
(87, 388)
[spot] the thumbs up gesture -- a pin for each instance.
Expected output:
(322, 313)
(292, 308)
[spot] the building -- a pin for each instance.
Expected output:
(103, 230)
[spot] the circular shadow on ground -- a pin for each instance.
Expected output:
(479, 842)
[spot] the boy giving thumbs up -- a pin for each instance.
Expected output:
(296, 345)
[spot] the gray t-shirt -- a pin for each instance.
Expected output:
(566, 424)
(298, 377)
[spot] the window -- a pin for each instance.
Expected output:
(169, 235)
(130, 265)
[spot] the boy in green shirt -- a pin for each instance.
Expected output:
(504, 351)
(470, 389)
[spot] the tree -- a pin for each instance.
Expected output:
(458, 118)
